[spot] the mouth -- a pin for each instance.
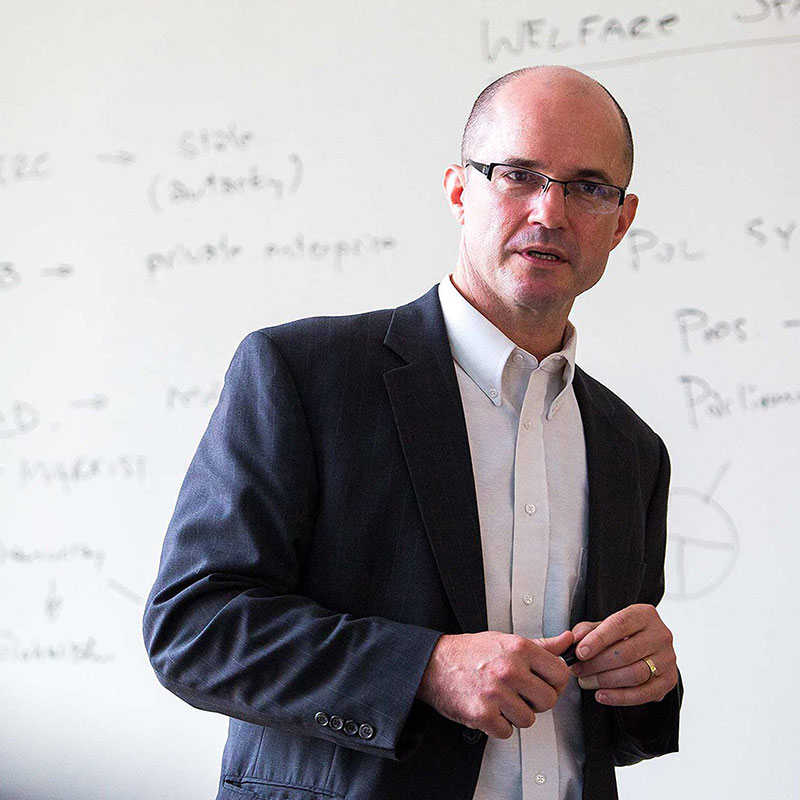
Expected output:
(543, 256)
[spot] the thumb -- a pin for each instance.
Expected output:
(556, 644)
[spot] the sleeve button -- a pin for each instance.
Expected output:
(366, 731)
(321, 718)
(471, 736)
(351, 727)
(337, 723)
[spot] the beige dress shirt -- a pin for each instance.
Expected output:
(529, 462)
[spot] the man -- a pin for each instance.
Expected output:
(397, 522)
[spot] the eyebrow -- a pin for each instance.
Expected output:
(586, 173)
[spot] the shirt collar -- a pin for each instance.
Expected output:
(482, 350)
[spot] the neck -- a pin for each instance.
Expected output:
(539, 332)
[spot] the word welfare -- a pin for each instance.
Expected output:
(594, 29)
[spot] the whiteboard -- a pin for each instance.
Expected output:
(174, 175)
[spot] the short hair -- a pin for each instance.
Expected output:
(483, 103)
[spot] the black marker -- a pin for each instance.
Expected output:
(569, 655)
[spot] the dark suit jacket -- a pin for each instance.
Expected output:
(327, 533)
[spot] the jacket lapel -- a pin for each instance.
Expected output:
(613, 477)
(427, 408)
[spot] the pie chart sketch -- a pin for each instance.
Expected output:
(702, 545)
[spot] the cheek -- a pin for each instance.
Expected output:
(595, 238)
(487, 228)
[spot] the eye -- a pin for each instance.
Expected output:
(595, 191)
(521, 177)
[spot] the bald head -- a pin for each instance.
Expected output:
(558, 83)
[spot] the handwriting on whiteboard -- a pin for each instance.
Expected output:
(22, 167)
(14, 648)
(638, 37)
(277, 184)
(707, 402)
(763, 10)
(646, 248)
(594, 29)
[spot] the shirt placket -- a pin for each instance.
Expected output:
(539, 758)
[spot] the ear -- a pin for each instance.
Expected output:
(454, 185)
(629, 206)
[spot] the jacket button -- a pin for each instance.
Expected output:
(337, 723)
(366, 731)
(351, 727)
(321, 718)
(471, 736)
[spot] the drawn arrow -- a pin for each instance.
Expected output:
(97, 402)
(61, 271)
(122, 157)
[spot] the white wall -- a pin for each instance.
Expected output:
(126, 283)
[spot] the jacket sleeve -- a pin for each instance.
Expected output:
(225, 627)
(651, 730)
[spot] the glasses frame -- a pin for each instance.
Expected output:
(488, 169)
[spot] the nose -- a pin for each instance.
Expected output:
(549, 208)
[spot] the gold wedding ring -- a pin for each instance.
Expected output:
(653, 670)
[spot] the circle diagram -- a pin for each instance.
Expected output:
(702, 545)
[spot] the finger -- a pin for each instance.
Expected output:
(518, 712)
(538, 694)
(620, 654)
(625, 677)
(556, 644)
(582, 628)
(497, 726)
(652, 691)
(548, 671)
(613, 629)
(540, 661)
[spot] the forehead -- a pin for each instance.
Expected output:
(567, 125)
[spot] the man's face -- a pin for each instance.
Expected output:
(568, 129)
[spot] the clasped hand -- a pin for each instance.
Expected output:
(495, 682)
(612, 657)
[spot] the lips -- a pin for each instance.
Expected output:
(543, 255)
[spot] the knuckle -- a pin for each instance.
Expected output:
(503, 671)
(517, 644)
(620, 621)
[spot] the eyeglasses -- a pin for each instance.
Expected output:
(587, 197)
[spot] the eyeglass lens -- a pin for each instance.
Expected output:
(592, 197)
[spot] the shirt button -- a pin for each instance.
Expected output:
(321, 718)
(539, 778)
(530, 508)
(492, 392)
(527, 598)
(337, 723)
(527, 424)
(351, 727)
(518, 358)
